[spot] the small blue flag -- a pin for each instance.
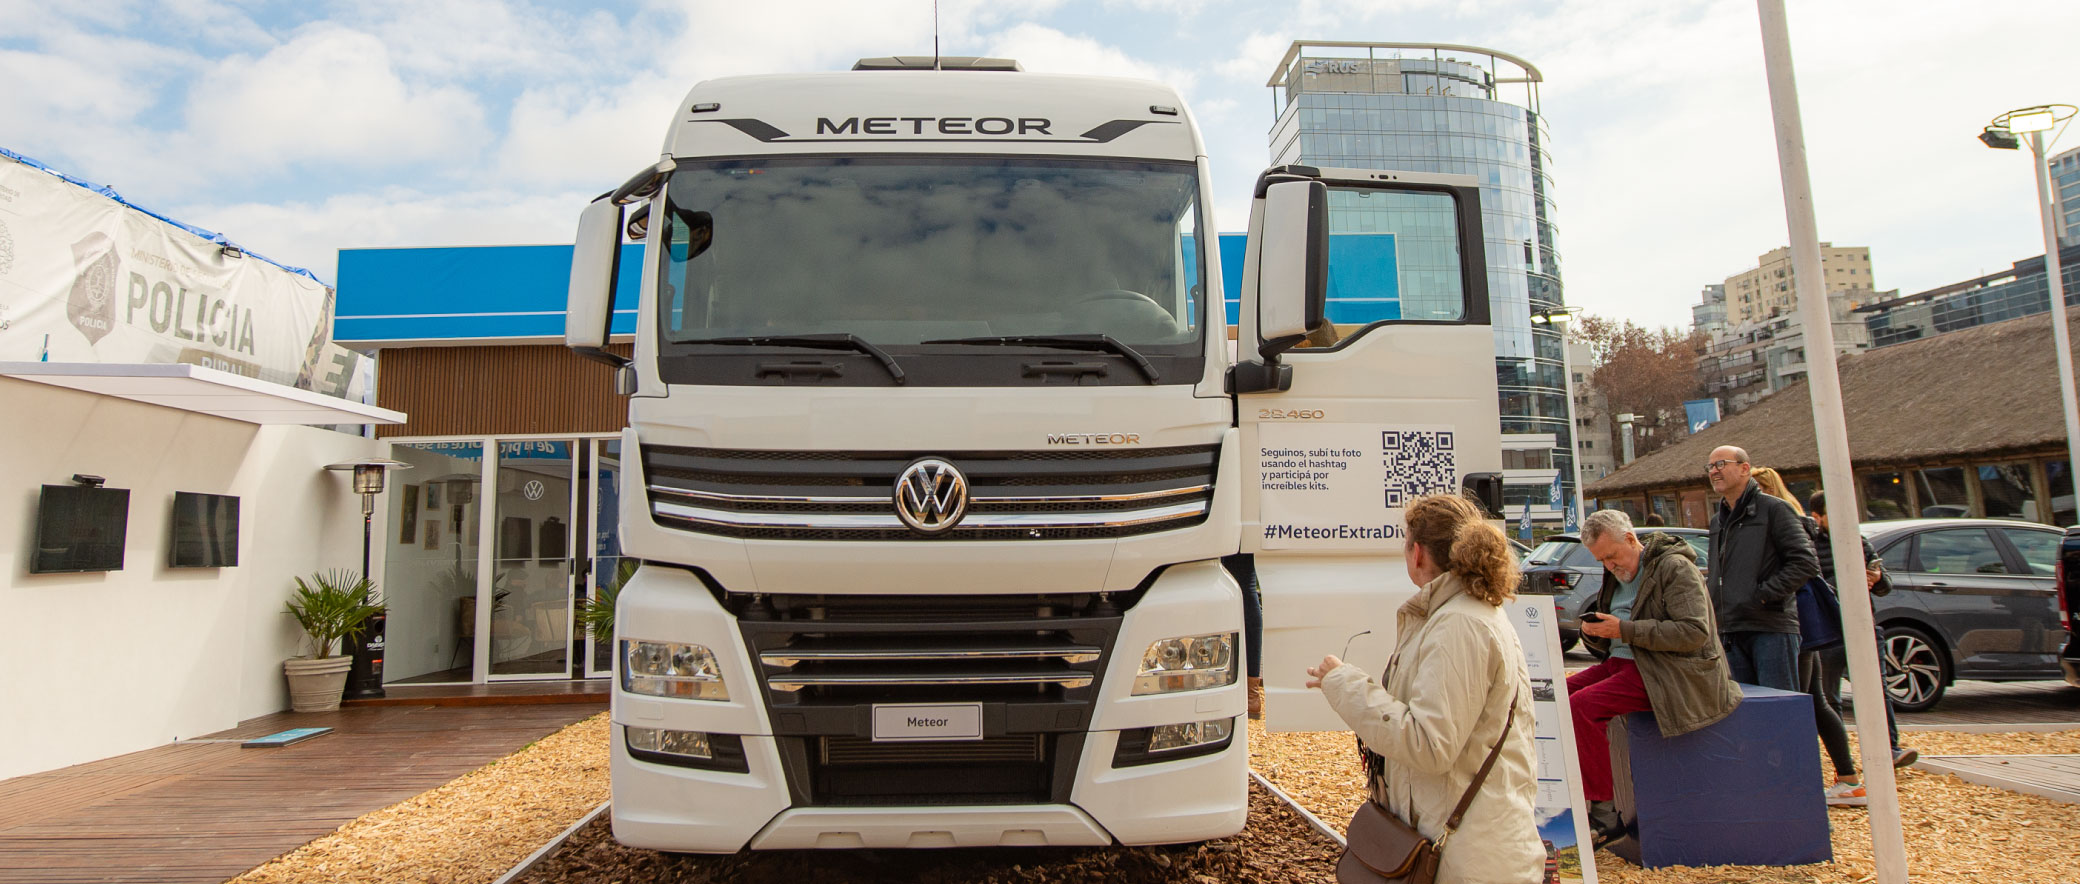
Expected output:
(1524, 524)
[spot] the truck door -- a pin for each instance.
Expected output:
(1349, 407)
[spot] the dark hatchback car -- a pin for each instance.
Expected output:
(1562, 567)
(1972, 599)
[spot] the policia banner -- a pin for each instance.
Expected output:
(85, 277)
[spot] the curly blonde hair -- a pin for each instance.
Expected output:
(1450, 528)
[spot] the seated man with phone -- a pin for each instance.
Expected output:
(1664, 651)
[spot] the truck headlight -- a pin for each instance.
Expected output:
(1188, 663)
(671, 669)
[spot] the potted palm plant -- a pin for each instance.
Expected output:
(330, 606)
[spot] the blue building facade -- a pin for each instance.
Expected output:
(1451, 109)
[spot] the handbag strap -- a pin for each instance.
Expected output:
(1474, 787)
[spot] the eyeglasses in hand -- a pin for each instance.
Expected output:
(1346, 655)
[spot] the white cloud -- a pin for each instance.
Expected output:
(1045, 50)
(331, 95)
(580, 137)
(1255, 58)
(310, 235)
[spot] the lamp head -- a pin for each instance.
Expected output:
(2036, 119)
(2000, 139)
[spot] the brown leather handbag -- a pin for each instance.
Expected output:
(1381, 849)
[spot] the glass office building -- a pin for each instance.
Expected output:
(1469, 111)
(2022, 290)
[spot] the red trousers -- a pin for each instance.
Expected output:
(1598, 694)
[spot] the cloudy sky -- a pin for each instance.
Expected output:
(301, 128)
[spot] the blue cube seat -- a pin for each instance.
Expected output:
(1746, 791)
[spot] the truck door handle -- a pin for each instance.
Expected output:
(1938, 586)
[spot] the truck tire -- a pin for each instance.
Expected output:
(1917, 670)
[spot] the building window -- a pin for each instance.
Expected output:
(1884, 496)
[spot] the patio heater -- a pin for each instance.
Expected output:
(365, 678)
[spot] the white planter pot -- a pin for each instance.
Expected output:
(315, 685)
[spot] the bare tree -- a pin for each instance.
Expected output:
(1648, 372)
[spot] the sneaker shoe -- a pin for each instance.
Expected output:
(1904, 756)
(1846, 795)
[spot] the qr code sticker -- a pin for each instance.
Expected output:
(1418, 462)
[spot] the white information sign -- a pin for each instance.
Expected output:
(1343, 486)
(1563, 819)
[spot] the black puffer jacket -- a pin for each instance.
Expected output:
(1760, 557)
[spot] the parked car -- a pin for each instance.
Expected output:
(2067, 572)
(1972, 599)
(1562, 567)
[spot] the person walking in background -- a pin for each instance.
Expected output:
(1243, 567)
(1847, 788)
(1760, 555)
(1455, 690)
(1664, 654)
(1835, 661)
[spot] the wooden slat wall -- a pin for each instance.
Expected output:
(498, 390)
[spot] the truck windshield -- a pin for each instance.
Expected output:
(904, 250)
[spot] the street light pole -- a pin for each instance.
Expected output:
(2054, 278)
(2035, 121)
(1831, 433)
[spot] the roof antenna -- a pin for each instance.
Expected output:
(935, 35)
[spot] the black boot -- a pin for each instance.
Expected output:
(1605, 825)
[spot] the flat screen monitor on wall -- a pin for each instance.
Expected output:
(80, 528)
(205, 530)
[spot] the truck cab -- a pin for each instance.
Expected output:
(935, 441)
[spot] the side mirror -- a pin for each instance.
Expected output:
(1293, 265)
(595, 268)
(1485, 489)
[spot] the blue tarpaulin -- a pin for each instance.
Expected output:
(110, 192)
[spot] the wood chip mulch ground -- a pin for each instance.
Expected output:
(1955, 831)
(470, 830)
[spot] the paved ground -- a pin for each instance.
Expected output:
(207, 809)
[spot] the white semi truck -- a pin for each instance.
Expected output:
(937, 435)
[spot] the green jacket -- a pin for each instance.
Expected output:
(1673, 639)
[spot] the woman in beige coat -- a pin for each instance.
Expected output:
(1457, 672)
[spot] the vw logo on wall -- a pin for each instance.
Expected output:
(931, 496)
(533, 490)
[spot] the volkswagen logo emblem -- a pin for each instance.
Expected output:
(931, 496)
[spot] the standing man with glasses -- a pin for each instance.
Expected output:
(1760, 556)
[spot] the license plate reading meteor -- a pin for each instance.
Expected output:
(906, 722)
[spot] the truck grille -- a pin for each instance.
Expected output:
(1032, 663)
(1013, 495)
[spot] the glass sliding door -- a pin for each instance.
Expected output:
(430, 563)
(608, 568)
(531, 559)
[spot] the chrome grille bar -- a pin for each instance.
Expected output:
(882, 497)
(797, 682)
(875, 521)
(1072, 654)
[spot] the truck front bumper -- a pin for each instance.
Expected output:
(662, 807)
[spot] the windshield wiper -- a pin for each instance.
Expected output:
(1094, 343)
(814, 342)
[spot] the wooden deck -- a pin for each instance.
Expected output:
(2056, 777)
(207, 809)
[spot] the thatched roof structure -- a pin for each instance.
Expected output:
(1980, 393)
